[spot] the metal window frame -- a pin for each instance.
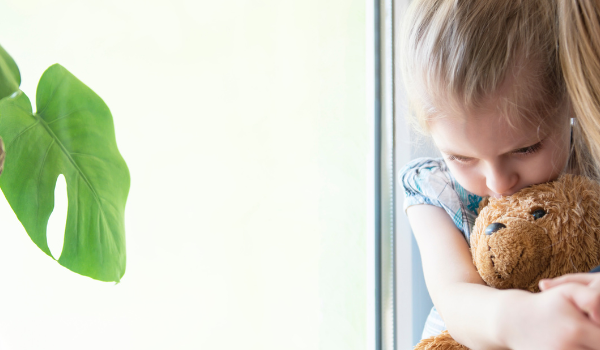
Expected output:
(392, 309)
(384, 176)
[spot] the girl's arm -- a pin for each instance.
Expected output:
(481, 317)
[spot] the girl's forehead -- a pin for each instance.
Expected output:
(520, 98)
(478, 134)
(506, 112)
(477, 129)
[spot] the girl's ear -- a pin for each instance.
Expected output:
(484, 202)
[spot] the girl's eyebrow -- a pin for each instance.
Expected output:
(520, 149)
(452, 154)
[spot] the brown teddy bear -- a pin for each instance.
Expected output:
(542, 231)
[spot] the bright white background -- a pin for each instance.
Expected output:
(244, 126)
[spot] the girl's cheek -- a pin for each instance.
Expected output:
(469, 179)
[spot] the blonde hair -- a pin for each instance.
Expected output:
(580, 59)
(460, 52)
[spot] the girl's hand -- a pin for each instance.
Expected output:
(550, 320)
(589, 279)
(583, 289)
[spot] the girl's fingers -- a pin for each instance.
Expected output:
(585, 334)
(581, 278)
(586, 299)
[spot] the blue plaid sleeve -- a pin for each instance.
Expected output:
(428, 181)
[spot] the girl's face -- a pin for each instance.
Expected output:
(489, 157)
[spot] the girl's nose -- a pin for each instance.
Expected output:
(501, 181)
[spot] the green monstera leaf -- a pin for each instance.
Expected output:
(72, 134)
(10, 78)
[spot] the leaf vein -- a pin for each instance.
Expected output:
(65, 116)
(21, 133)
(73, 162)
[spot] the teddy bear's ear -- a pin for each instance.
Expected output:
(482, 204)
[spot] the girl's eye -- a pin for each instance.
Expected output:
(459, 159)
(529, 150)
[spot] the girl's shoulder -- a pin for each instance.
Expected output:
(424, 164)
(422, 175)
(429, 181)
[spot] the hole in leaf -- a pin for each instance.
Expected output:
(55, 233)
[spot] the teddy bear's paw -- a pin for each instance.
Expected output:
(443, 341)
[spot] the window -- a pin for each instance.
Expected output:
(243, 124)
(402, 302)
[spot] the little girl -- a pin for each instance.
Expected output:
(485, 81)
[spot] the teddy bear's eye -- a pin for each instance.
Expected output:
(538, 213)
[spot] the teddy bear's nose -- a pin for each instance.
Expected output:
(493, 227)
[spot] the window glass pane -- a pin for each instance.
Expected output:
(244, 127)
(413, 301)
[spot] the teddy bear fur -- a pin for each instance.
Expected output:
(563, 236)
